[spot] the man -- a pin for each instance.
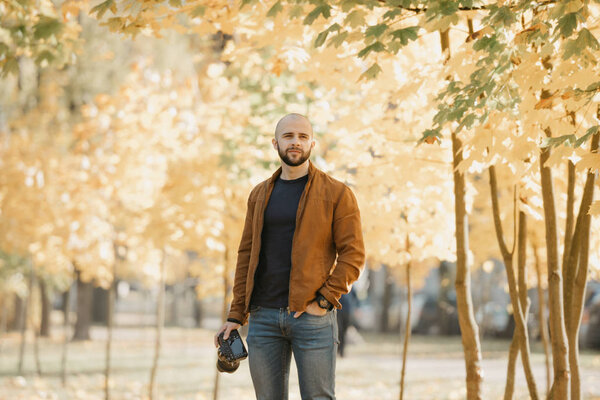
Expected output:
(287, 279)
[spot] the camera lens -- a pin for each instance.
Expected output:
(223, 365)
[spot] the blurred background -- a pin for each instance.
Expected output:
(131, 133)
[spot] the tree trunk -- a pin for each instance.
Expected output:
(464, 302)
(513, 353)
(160, 319)
(521, 334)
(558, 335)
(3, 321)
(542, 317)
(577, 276)
(386, 301)
(568, 232)
(65, 347)
(26, 311)
(17, 318)
(110, 306)
(84, 309)
(46, 309)
(408, 316)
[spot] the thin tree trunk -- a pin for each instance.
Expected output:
(224, 308)
(36, 347)
(46, 309)
(522, 270)
(84, 309)
(464, 302)
(569, 225)
(520, 325)
(577, 276)
(109, 328)
(558, 334)
(160, 318)
(408, 316)
(542, 318)
(65, 347)
(26, 311)
(386, 300)
(3, 321)
(513, 353)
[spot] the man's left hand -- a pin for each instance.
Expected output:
(312, 309)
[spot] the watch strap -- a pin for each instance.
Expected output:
(324, 303)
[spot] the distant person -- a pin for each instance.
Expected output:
(286, 282)
(345, 318)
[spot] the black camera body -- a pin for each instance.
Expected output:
(231, 352)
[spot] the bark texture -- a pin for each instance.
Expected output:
(84, 309)
(408, 316)
(520, 335)
(560, 358)
(160, 320)
(576, 276)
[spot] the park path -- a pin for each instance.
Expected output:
(370, 371)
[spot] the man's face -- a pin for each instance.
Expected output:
(294, 141)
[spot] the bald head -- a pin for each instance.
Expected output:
(293, 123)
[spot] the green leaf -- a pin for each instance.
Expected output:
(567, 24)
(323, 9)
(175, 3)
(11, 66)
(557, 141)
(273, 11)
(102, 8)
(584, 39)
(430, 134)
(376, 30)
(391, 14)
(296, 12)
(593, 87)
(467, 121)
(46, 28)
(406, 35)
(355, 19)
(338, 39)
(348, 5)
(371, 73)
(323, 35)
(503, 16)
(44, 56)
(376, 47)
(198, 11)
(588, 134)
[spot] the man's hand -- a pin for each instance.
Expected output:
(313, 309)
(227, 327)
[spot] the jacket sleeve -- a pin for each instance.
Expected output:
(238, 304)
(348, 239)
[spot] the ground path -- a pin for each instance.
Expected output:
(370, 371)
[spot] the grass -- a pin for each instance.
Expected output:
(370, 371)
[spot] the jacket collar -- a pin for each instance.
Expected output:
(311, 172)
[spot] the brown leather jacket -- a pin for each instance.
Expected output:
(327, 222)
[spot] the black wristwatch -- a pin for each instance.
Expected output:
(323, 302)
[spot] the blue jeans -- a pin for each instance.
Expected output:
(273, 334)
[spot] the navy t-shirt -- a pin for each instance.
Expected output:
(272, 279)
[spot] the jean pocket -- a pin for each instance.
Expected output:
(254, 308)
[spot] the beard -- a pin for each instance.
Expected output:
(298, 158)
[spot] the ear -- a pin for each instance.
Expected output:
(274, 143)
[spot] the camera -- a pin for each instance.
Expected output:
(230, 352)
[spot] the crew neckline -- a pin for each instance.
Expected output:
(292, 180)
